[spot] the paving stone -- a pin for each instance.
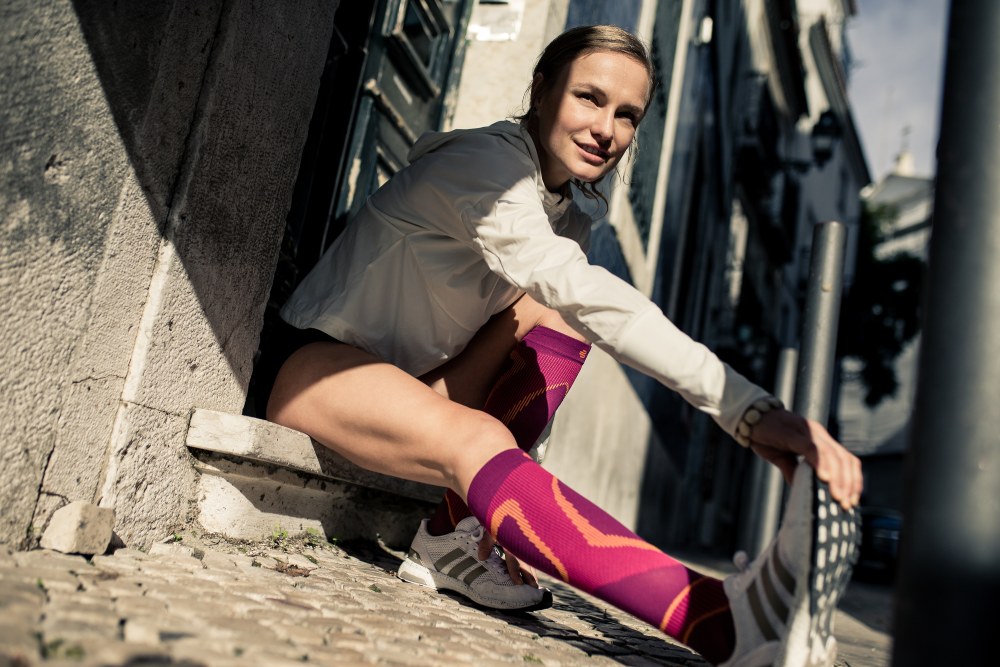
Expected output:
(78, 599)
(274, 657)
(118, 566)
(141, 631)
(172, 549)
(45, 578)
(339, 656)
(190, 608)
(80, 623)
(222, 561)
(128, 553)
(94, 651)
(17, 639)
(118, 588)
(49, 558)
(17, 589)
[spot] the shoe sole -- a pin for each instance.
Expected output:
(835, 538)
(424, 576)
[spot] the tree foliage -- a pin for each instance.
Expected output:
(881, 312)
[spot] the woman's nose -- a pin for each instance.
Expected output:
(603, 126)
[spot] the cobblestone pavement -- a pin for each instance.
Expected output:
(220, 604)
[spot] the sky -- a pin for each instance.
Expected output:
(895, 83)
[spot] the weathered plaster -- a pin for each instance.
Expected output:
(210, 285)
(61, 170)
(148, 156)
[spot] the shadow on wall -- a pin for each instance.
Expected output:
(212, 101)
(126, 43)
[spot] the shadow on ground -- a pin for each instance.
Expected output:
(600, 633)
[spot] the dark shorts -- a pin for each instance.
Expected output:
(278, 343)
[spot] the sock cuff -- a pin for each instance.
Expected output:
(557, 343)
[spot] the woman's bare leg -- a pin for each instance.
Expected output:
(383, 419)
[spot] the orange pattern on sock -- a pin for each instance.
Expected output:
(512, 510)
(593, 536)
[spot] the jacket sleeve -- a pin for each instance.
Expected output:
(515, 238)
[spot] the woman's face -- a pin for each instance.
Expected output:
(587, 118)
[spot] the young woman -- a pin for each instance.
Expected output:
(447, 321)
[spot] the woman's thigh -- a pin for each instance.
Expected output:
(469, 377)
(381, 418)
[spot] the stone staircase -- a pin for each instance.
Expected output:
(258, 478)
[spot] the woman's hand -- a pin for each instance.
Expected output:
(780, 436)
(519, 574)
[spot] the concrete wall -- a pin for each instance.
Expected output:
(147, 159)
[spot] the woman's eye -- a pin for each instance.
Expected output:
(588, 97)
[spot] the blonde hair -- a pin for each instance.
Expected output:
(566, 48)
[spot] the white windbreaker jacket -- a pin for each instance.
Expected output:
(458, 236)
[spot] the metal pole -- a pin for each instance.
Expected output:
(815, 375)
(948, 588)
(819, 322)
(766, 485)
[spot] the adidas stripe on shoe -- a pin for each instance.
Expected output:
(449, 562)
(783, 603)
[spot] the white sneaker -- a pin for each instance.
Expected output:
(783, 602)
(450, 562)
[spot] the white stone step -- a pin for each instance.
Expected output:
(258, 477)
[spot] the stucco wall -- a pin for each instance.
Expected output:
(147, 159)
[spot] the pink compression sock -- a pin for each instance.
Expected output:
(536, 379)
(549, 526)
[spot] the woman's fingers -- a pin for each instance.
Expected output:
(529, 576)
(781, 435)
(519, 574)
(837, 466)
(485, 546)
(513, 568)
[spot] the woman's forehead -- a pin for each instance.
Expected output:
(609, 69)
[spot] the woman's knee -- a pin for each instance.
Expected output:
(474, 441)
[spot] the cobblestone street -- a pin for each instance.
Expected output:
(225, 604)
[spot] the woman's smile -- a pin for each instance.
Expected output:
(590, 151)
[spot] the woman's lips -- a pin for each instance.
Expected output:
(594, 154)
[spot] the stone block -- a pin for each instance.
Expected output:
(80, 528)
(150, 477)
(173, 550)
(246, 500)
